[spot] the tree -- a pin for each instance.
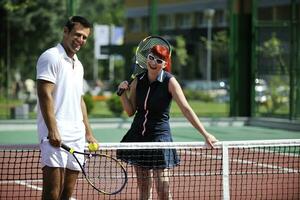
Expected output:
(219, 47)
(32, 26)
(180, 57)
(29, 27)
(108, 12)
(272, 50)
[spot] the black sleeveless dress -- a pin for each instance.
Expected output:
(151, 124)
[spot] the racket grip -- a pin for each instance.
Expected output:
(65, 147)
(120, 91)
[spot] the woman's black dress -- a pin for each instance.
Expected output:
(151, 124)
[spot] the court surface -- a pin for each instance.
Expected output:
(207, 172)
(113, 131)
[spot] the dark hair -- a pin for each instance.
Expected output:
(77, 19)
(163, 53)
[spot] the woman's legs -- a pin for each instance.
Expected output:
(144, 181)
(161, 178)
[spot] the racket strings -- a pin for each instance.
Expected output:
(145, 47)
(105, 173)
(141, 55)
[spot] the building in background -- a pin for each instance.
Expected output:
(192, 19)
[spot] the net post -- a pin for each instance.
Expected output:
(225, 172)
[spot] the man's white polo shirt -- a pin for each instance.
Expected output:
(67, 74)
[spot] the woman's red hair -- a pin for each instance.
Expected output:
(163, 53)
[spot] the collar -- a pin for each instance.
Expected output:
(160, 76)
(63, 53)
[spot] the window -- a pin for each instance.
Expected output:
(134, 25)
(200, 21)
(220, 18)
(145, 24)
(185, 20)
(282, 13)
(265, 13)
(167, 22)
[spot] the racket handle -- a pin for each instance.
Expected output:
(65, 147)
(121, 90)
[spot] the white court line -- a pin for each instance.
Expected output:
(26, 184)
(242, 161)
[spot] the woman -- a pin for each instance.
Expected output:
(150, 96)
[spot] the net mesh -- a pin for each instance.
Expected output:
(232, 170)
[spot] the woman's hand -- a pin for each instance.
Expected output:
(210, 139)
(123, 85)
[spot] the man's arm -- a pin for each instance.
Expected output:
(44, 92)
(88, 130)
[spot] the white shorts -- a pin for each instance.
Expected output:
(58, 157)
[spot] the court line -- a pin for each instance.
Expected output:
(243, 161)
(26, 184)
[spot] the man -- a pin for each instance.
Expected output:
(62, 115)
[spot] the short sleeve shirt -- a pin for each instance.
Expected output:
(67, 75)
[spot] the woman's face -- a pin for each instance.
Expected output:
(155, 63)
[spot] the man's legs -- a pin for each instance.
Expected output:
(58, 183)
(70, 181)
(53, 181)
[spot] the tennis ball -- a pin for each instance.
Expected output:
(93, 146)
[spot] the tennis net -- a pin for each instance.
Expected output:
(232, 170)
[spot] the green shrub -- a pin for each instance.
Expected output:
(198, 95)
(115, 106)
(88, 99)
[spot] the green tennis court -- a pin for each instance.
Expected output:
(183, 133)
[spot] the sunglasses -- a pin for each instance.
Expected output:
(157, 60)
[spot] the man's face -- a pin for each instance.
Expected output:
(73, 40)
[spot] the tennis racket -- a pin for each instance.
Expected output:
(141, 53)
(103, 172)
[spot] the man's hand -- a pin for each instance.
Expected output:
(91, 139)
(54, 139)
